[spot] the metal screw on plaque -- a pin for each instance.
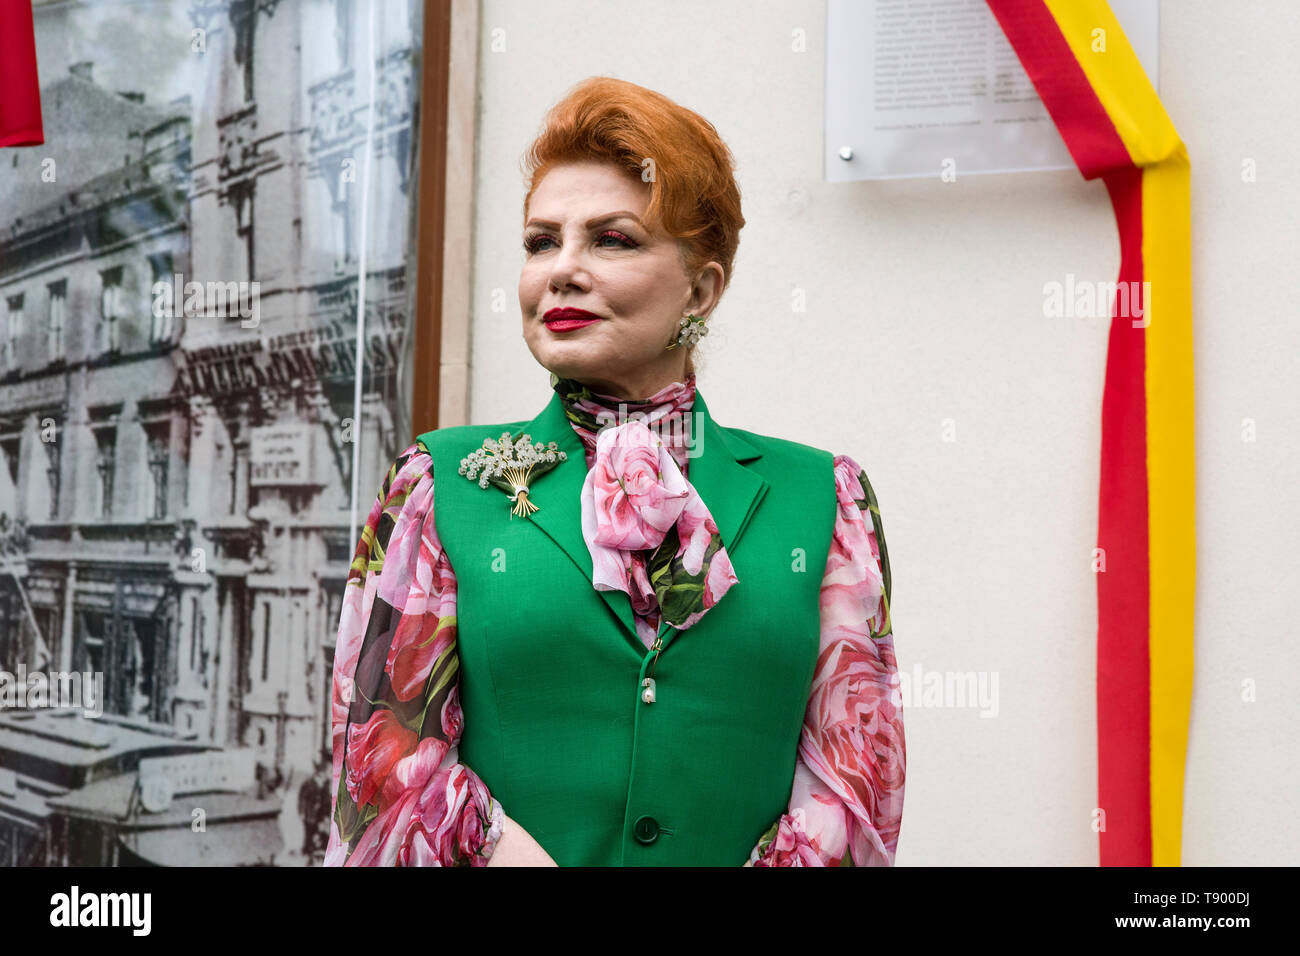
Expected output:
(846, 152)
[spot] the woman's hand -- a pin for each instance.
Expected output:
(516, 847)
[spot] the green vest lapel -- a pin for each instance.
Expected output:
(731, 491)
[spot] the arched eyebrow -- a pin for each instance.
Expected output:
(590, 223)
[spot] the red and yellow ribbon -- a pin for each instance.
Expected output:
(1112, 121)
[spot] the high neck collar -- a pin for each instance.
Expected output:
(588, 411)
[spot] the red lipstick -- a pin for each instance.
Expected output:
(567, 319)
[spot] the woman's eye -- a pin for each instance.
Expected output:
(617, 237)
(534, 243)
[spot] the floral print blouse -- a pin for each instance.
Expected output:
(402, 798)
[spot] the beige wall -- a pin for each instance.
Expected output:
(924, 304)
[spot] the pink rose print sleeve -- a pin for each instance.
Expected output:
(846, 805)
(400, 796)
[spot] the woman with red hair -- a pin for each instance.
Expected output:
(668, 642)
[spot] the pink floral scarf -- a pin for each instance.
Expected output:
(649, 532)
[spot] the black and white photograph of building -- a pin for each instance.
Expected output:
(219, 206)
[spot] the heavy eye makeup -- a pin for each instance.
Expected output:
(533, 241)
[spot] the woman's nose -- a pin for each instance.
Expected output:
(569, 266)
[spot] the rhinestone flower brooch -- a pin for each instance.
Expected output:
(512, 465)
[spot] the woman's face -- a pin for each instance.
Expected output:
(587, 248)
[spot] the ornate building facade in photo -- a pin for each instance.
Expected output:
(180, 282)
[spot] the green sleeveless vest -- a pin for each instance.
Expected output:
(551, 669)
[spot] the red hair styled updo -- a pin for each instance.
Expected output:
(693, 192)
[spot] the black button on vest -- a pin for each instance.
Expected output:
(646, 829)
